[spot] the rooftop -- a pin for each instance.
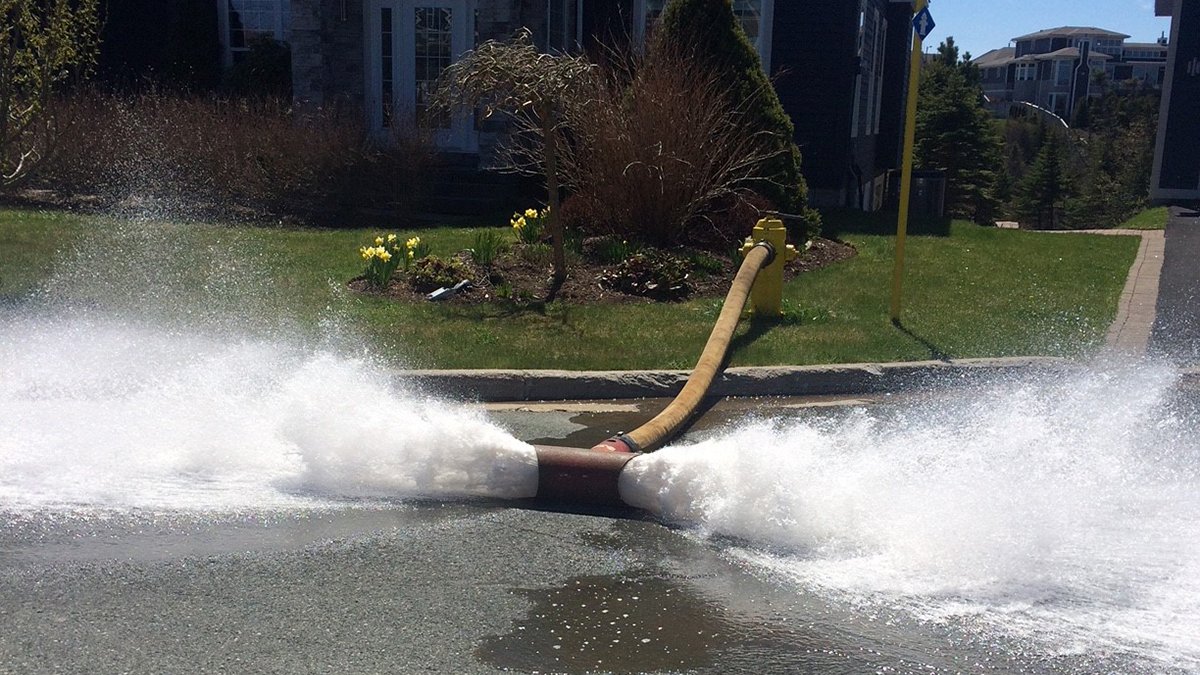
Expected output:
(1071, 31)
(995, 57)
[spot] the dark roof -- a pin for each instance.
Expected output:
(1069, 31)
(995, 57)
(1067, 53)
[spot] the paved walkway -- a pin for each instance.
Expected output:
(1130, 329)
(1159, 310)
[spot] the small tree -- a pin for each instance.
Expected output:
(711, 30)
(955, 133)
(515, 78)
(42, 44)
(1044, 190)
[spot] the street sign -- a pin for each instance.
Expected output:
(923, 23)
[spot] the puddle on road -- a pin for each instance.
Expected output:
(618, 624)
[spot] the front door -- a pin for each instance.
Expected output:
(411, 42)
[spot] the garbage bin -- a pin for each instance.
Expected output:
(928, 197)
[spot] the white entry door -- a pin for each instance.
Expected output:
(410, 43)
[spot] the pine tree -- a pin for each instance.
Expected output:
(711, 32)
(956, 134)
(1045, 188)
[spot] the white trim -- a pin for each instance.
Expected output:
(461, 136)
(766, 34)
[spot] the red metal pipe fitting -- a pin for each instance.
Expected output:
(581, 476)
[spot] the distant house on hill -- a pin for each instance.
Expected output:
(839, 65)
(1057, 68)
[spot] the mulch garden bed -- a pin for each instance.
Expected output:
(522, 276)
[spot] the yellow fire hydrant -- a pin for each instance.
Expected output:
(766, 296)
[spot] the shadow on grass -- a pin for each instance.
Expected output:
(836, 222)
(935, 352)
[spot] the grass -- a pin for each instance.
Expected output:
(1147, 219)
(969, 291)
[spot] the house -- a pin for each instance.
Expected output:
(1175, 176)
(839, 65)
(1057, 68)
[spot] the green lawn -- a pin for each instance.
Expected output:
(969, 291)
(1147, 219)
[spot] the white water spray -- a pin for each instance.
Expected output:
(152, 371)
(98, 414)
(1062, 510)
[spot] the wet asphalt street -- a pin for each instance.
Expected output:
(1176, 330)
(455, 587)
(448, 588)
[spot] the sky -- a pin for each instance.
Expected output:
(981, 25)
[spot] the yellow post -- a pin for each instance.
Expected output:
(910, 132)
(766, 296)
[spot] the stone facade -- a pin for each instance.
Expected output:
(326, 38)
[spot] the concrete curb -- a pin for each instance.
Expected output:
(853, 378)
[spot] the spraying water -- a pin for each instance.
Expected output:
(151, 371)
(1062, 511)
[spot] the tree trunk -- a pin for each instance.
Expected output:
(549, 136)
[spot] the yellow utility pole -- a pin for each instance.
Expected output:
(922, 24)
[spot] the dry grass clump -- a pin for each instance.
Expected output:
(230, 155)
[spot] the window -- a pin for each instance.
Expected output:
(1026, 71)
(1062, 72)
(868, 84)
(1058, 104)
(754, 15)
(244, 21)
(386, 83)
(561, 26)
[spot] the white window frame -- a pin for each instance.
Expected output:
(856, 108)
(571, 32)
(461, 135)
(1052, 103)
(281, 28)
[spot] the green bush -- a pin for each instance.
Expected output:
(710, 29)
(431, 273)
(607, 250)
(488, 244)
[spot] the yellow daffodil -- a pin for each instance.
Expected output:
(412, 243)
(366, 253)
(384, 255)
(518, 223)
(391, 238)
(531, 213)
(378, 241)
(411, 254)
